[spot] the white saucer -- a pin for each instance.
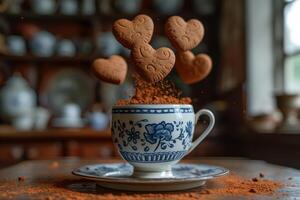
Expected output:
(118, 176)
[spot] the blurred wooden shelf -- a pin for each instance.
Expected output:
(61, 17)
(49, 17)
(52, 59)
(11, 135)
(157, 17)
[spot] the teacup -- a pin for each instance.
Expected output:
(152, 138)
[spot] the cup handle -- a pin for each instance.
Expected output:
(206, 131)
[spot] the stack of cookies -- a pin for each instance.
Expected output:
(153, 65)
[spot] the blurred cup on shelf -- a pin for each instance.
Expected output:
(70, 117)
(42, 44)
(17, 98)
(42, 116)
(14, 6)
(107, 44)
(168, 7)
(128, 6)
(204, 7)
(43, 7)
(88, 7)
(66, 47)
(71, 111)
(98, 120)
(69, 7)
(289, 105)
(84, 46)
(24, 122)
(16, 45)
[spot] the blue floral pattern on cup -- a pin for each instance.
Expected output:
(154, 137)
(158, 133)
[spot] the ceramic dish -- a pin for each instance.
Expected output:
(119, 176)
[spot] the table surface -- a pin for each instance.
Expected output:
(52, 179)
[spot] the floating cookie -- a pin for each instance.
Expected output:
(152, 65)
(184, 35)
(140, 29)
(112, 70)
(191, 68)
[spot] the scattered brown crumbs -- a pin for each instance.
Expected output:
(252, 190)
(255, 179)
(237, 185)
(54, 164)
(21, 178)
(231, 185)
(261, 175)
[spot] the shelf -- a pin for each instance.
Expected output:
(58, 59)
(12, 135)
(60, 17)
(157, 17)
(54, 17)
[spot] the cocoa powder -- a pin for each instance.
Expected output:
(231, 185)
(239, 186)
(162, 92)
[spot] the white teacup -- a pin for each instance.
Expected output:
(152, 138)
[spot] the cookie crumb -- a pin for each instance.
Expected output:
(21, 178)
(205, 192)
(54, 164)
(290, 178)
(261, 175)
(252, 190)
(255, 179)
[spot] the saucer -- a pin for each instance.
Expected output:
(118, 176)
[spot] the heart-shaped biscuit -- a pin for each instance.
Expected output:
(140, 29)
(112, 70)
(184, 35)
(191, 68)
(153, 65)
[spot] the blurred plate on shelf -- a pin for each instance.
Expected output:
(66, 86)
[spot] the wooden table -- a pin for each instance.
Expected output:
(52, 179)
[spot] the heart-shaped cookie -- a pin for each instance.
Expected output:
(152, 65)
(112, 70)
(191, 68)
(140, 29)
(184, 35)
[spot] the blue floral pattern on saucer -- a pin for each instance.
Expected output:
(121, 172)
(119, 176)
